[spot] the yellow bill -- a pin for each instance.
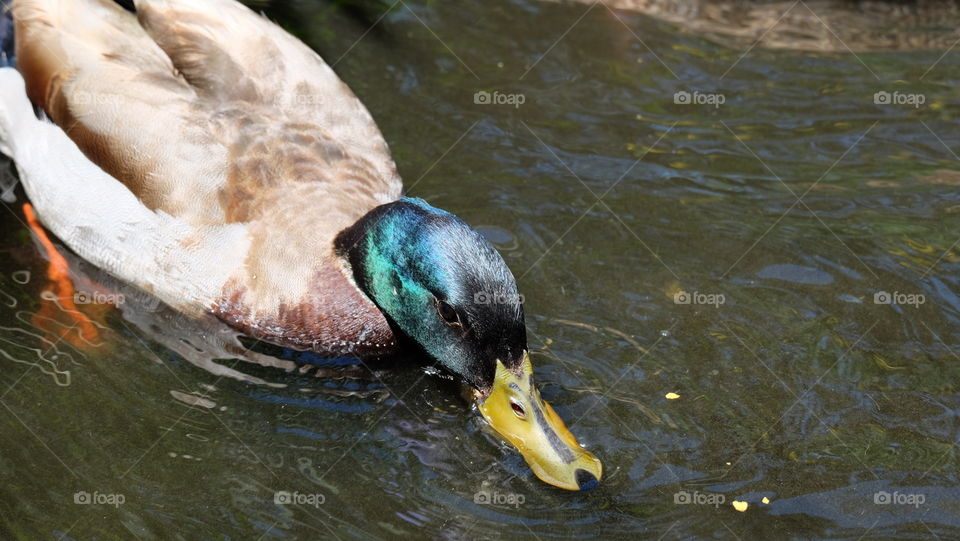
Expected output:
(515, 410)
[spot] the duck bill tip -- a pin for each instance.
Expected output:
(514, 409)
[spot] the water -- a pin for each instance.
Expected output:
(797, 382)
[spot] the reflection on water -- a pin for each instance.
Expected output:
(813, 25)
(752, 301)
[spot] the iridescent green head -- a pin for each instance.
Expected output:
(445, 288)
(441, 284)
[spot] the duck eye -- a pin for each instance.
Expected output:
(447, 312)
(518, 409)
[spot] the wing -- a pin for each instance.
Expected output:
(228, 53)
(97, 74)
(100, 219)
(213, 115)
(204, 110)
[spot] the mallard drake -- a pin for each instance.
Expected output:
(206, 156)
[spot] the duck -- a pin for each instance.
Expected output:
(196, 150)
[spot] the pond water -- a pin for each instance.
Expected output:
(771, 235)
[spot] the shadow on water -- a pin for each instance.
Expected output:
(740, 269)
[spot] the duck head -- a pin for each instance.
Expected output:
(443, 286)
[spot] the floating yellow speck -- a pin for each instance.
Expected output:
(740, 506)
(765, 500)
(671, 396)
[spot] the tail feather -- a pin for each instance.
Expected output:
(16, 112)
(7, 57)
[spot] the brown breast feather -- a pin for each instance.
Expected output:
(334, 319)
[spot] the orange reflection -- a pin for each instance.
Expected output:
(58, 317)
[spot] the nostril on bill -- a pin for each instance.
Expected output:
(585, 480)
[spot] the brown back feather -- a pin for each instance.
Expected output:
(212, 114)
